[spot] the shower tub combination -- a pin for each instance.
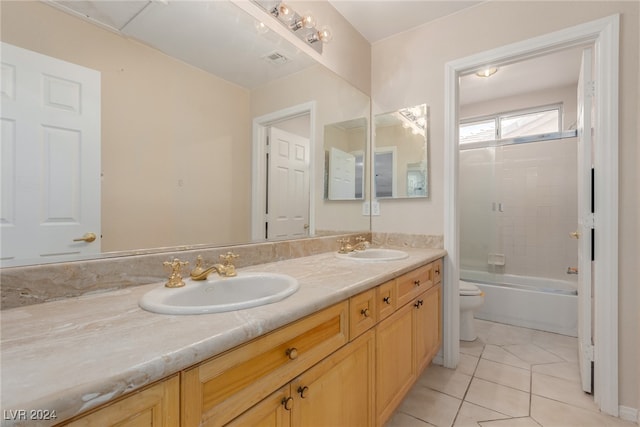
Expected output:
(538, 303)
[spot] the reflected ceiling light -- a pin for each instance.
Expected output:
(303, 26)
(487, 72)
(261, 28)
(414, 118)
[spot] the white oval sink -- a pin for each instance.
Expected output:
(375, 254)
(218, 294)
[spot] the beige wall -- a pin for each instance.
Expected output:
(408, 69)
(176, 148)
(349, 54)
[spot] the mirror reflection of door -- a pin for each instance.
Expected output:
(385, 171)
(342, 175)
(50, 158)
(288, 190)
(344, 168)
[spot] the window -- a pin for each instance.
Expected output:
(513, 124)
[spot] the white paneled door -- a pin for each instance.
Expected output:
(288, 185)
(342, 175)
(586, 93)
(50, 175)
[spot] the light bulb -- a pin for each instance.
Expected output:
(285, 13)
(308, 21)
(324, 35)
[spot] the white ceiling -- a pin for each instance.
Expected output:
(220, 38)
(377, 20)
(215, 36)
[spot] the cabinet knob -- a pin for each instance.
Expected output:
(292, 353)
(303, 391)
(418, 303)
(287, 402)
(387, 300)
(416, 282)
(365, 312)
(437, 270)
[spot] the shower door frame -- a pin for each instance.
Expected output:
(604, 35)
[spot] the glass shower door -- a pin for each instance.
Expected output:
(480, 206)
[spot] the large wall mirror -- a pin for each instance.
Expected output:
(401, 155)
(180, 85)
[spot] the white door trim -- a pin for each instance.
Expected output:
(258, 176)
(604, 34)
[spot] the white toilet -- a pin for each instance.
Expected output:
(471, 298)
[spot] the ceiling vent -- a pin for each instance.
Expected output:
(276, 58)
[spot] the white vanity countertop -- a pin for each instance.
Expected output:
(72, 355)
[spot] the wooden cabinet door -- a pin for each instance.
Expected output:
(271, 412)
(427, 336)
(394, 361)
(363, 313)
(157, 406)
(339, 391)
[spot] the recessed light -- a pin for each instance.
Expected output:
(487, 72)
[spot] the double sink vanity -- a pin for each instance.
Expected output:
(341, 343)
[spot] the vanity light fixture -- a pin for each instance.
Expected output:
(303, 26)
(487, 72)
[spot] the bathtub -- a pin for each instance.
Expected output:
(544, 304)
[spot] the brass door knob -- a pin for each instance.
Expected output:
(292, 353)
(88, 237)
(574, 235)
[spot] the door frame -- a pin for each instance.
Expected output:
(259, 170)
(604, 35)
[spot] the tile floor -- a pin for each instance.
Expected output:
(508, 377)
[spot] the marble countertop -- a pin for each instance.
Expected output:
(72, 355)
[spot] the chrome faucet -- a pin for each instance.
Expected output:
(226, 269)
(346, 246)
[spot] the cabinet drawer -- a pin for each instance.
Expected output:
(415, 282)
(386, 299)
(363, 314)
(216, 391)
(437, 271)
(155, 405)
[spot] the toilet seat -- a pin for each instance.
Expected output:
(469, 289)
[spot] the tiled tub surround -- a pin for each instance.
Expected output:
(75, 354)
